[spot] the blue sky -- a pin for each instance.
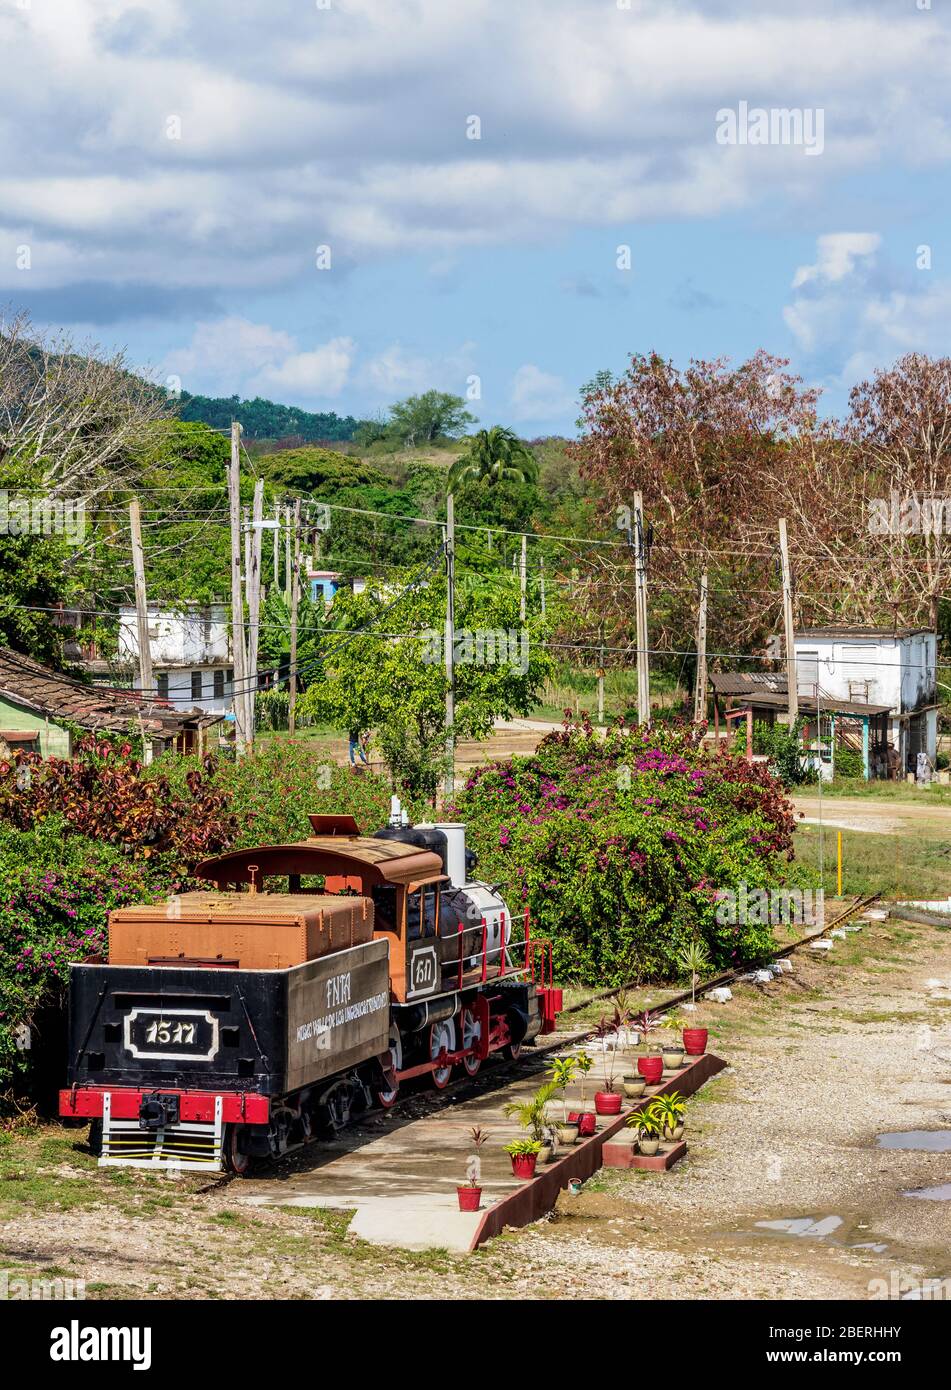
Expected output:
(171, 171)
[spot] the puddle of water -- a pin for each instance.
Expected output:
(821, 1228)
(942, 1193)
(803, 1226)
(936, 1141)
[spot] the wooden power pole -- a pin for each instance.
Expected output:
(700, 689)
(295, 600)
(449, 642)
(792, 684)
(141, 616)
(640, 577)
(239, 701)
(254, 600)
(522, 579)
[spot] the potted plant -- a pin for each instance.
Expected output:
(670, 1110)
(562, 1073)
(651, 1066)
(587, 1122)
(608, 1101)
(648, 1127)
(524, 1156)
(694, 959)
(470, 1192)
(673, 1052)
(634, 1084)
(532, 1114)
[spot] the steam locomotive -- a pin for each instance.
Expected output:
(234, 1024)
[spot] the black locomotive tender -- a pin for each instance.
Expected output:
(230, 1026)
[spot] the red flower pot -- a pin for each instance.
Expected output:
(695, 1041)
(469, 1198)
(586, 1121)
(607, 1103)
(651, 1068)
(523, 1165)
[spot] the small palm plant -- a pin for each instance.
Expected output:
(583, 1063)
(693, 961)
(532, 1114)
(647, 1122)
(562, 1071)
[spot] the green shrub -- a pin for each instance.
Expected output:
(847, 762)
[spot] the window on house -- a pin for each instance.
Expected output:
(196, 685)
(163, 685)
(219, 685)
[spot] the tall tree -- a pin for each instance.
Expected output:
(492, 456)
(426, 418)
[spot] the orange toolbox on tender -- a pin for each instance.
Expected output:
(244, 931)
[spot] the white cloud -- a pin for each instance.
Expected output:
(538, 395)
(233, 354)
(837, 253)
(347, 125)
(853, 313)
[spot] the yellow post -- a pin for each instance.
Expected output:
(840, 863)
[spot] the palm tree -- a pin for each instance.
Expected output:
(495, 455)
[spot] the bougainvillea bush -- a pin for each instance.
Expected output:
(618, 846)
(56, 889)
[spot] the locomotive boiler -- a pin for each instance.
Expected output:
(311, 981)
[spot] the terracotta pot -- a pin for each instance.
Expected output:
(695, 1041)
(469, 1198)
(675, 1134)
(651, 1068)
(546, 1153)
(648, 1147)
(523, 1165)
(633, 1086)
(607, 1102)
(673, 1058)
(567, 1134)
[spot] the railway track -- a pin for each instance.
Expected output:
(466, 1087)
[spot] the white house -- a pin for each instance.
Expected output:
(877, 666)
(191, 655)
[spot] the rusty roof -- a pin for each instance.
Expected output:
(373, 861)
(55, 696)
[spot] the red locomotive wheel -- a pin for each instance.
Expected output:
(471, 1029)
(388, 1096)
(442, 1037)
(235, 1161)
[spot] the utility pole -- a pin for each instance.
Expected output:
(448, 643)
(640, 577)
(287, 556)
(792, 685)
(700, 689)
(277, 546)
(246, 528)
(237, 604)
(254, 600)
(601, 685)
(295, 600)
(541, 583)
(141, 617)
(522, 578)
